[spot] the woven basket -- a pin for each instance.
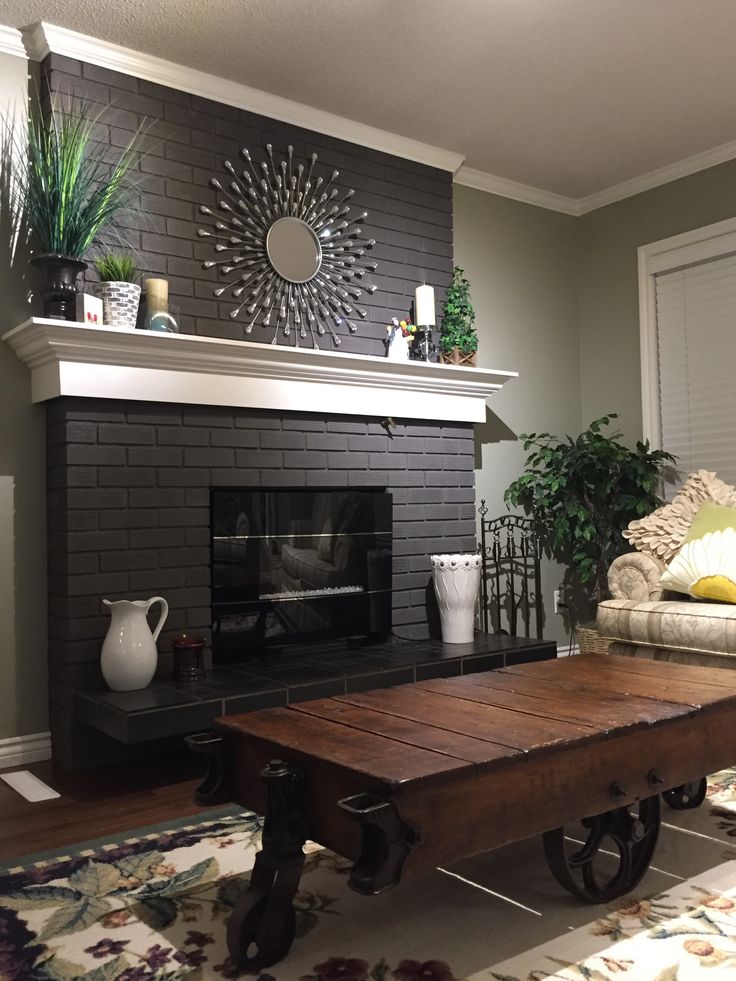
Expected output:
(590, 641)
(455, 357)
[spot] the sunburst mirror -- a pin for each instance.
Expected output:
(296, 254)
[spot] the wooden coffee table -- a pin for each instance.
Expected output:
(403, 779)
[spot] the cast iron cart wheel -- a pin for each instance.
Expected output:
(243, 926)
(687, 796)
(626, 835)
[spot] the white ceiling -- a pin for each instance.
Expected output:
(571, 96)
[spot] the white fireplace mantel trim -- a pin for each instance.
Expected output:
(104, 362)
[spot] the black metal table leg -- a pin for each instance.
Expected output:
(387, 840)
(212, 746)
(629, 837)
(687, 796)
(262, 924)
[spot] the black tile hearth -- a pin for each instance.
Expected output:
(167, 708)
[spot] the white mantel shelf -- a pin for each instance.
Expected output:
(104, 362)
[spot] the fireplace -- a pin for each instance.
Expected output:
(298, 565)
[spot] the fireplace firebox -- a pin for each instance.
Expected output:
(297, 565)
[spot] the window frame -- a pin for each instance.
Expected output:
(700, 244)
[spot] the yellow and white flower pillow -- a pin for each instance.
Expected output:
(705, 565)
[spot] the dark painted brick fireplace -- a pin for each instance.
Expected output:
(129, 482)
(129, 486)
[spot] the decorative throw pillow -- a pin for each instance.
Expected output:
(705, 566)
(663, 532)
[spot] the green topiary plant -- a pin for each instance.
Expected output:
(458, 317)
(114, 268)
(582, 493)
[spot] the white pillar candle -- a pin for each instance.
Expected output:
(424, 306)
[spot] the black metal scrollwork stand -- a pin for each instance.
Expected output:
(629, 837)
(262, 924)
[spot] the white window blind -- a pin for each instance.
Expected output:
(696, 346)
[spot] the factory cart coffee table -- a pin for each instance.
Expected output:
(403, 779)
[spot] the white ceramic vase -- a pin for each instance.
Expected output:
(129, 654)
(456, 581)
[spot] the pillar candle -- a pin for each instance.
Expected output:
(424, 306)
(157, 295)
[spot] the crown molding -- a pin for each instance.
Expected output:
(11, 42)
(42, 39)
(656, 178)
(505, 188)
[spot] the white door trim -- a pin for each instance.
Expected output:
(697, 245)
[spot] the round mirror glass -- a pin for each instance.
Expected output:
(293, 250)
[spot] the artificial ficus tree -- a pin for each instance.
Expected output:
(582, 493)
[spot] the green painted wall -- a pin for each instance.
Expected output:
(522, 265)
(23, 691)
(609, 288)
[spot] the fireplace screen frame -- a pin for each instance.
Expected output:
(348, 596)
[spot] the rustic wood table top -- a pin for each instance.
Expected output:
(435, 730)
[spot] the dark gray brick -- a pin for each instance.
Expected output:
(273, 440)
(125, 435)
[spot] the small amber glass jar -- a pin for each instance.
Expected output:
(188, 657)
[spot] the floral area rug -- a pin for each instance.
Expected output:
(154, 908)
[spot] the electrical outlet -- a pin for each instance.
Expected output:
(557, 600)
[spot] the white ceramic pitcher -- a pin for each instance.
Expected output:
(129, 653)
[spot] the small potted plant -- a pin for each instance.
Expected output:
(119, 293)
(70, 191)
(581, 494)
(458, 336)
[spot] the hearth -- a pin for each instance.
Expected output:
(297, 564)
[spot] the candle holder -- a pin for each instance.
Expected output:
(188, 657)
(423, 348)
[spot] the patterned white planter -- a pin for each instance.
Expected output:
(119, 303)
(456, 582)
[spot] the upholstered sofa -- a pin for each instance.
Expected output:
(643, 620)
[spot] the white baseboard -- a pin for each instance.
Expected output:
(564, 649)
(19, 750)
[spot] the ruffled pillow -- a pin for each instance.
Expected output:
(662, 533)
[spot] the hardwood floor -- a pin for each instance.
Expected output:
(94, 804)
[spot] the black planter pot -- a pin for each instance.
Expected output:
(59, 290)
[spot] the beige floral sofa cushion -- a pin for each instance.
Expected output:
(705, 627)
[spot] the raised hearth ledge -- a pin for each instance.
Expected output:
(104, 362)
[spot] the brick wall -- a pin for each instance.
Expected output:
(129, 513)
(409, 205)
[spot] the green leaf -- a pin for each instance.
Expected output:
(230, 890)
(74, 917)
(203, 871)
(138, 866)
(36, 897)
(58, 969)
(109, 971)
(156, 912)
(95, 878)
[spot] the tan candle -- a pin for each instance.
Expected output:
(157, 296)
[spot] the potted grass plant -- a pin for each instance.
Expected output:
(117, 289)
(582, 492)
(458, 336)
(70, 191)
